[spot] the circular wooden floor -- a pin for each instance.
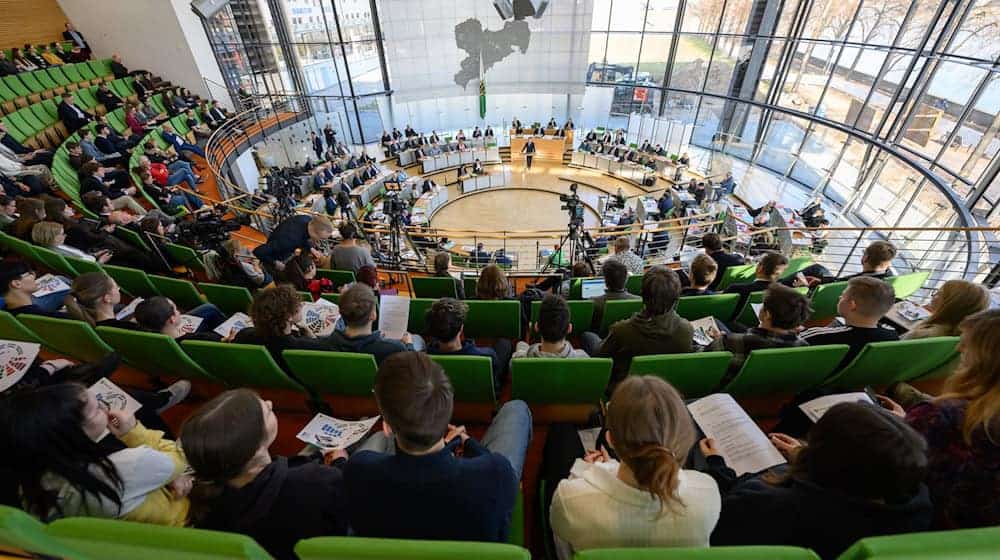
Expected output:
(507, 209)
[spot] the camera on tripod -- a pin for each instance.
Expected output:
(392, 206)
(573, 205)
(209, 230)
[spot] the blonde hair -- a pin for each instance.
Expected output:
(88, 289)
(977, 379)
(45, 233)
(651, 432)
(956, 300)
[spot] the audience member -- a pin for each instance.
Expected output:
(302, 232)
(406, 482)
(862, 305)
(349, 254)
(442, 262)
(553, 326)
(160, 315)
(25, 155)
(52, 236)
(703, 273)
(624, 254)
(859, 474)
(177, 142)
(18, 285)
(72, 116)
(951, 304)
(359, 310)
(646, 497)
(769, 269)
(656, 329)
(876, 260)
(278, 324)
(493, 284)
(30, 211)
(713, 248)
(92, 180)
(615, 277)
(8, 211)
(445, 322)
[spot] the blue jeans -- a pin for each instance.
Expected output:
(191, 148)
(509, 435)
(180, 176)
(210, 315)
(53, 302)
(186, 199)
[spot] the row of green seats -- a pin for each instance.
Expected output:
(31, 87)
(80, 538)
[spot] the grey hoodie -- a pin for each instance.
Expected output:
(524, 350)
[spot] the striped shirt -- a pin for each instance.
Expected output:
(855, 337)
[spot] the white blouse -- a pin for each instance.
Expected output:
(594, 509)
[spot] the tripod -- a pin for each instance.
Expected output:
(577, 248)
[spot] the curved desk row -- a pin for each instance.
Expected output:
(453, 159)
(632, 172)
(486, 181)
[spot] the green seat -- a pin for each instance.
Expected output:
(720, 306)
(126, 540)
(132, 280)
(68, 336)
(795, 265)
(960, 544)
(737, 274)
(418, 312)
(713, 553)
(786, 370)
(633, 284)
(576, 287)
(153, 353)
(185, 256)
(12, 329)
(470, 285)
(493, 319)
(31, 82)
(82, 266)
(471, 377)
(54, 261)
(338, 277)
(57, 75)
(883, 363)
(748, 317)
(133, 238)
(16, 86)
(617, 310)
(86, 72)
(333, 373)
(824, 300)
(694, 375)
(42, 115)
(23, 536)
(43, 78)
(182, 292)
(908, 284)
(101, 67)
(430, 287)
(356, 548)
(581, 312)
(240, 365)
(559, 380)
(230, 299)
(73, 73)
(24, 249)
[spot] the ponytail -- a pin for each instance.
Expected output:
(656, 470)
(88, 289)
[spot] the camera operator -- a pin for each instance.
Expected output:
(297, 232)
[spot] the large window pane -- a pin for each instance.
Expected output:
(702, 16)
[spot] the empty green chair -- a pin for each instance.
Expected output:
(959, 544)
(185, 256)
(333, 373)
(240, 365)
(694, 375)
(493, 319)
(617, 310)
(824, 300)
(230, 299)
(418, 311)
(721, 306)
(736, 275)
(54, 261)
(908, 284)
(23, 536)
(133, 239)
(559, 380)
(883, 363)
(431, 287)
(68, 336)
(110, 539)
(471, 377)
(338, 277)
(713, 553)
(581, 312)
(12, 329)
(356, 548)
(634, 284)
(796, 265)
(132, 280)
(470, 285)
(153, 353)
(786, 370)
(182, 292)
(24, 249)
(82, 266)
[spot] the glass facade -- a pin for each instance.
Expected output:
(848, 98)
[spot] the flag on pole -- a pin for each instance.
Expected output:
(482, 88)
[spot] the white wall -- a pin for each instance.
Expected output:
(161, 36)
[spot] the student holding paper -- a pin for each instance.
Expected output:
(445, 322)
(952, 303)
(278, 326)
(18, 284)
(160, 315)
(49, 437)
(961, 426)
(243, 489)
(647, 499)
(860, 474)
(782, 314)
(359, 311)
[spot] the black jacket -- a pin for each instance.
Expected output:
(724, 260)
(14, 145)
(374, 344)
(800, 513)
(744, 290)
(71, 119)
(290, 235)
(293, 498)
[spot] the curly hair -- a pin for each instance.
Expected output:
(445, 319)
(273, 308)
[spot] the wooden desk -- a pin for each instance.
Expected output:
(546, 147)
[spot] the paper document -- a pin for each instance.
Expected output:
(190, 323)
(15, 360)
(911, 311)
(756, 309)
(588, 438)
(327, 432)
(705, 331)
(49, 284)
(128, 310)
(741, 443)
(234, 324)
(393, 316)
(113, 397)
(817, 407)
(320, 316)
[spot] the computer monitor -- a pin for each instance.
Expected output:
(592, 287)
